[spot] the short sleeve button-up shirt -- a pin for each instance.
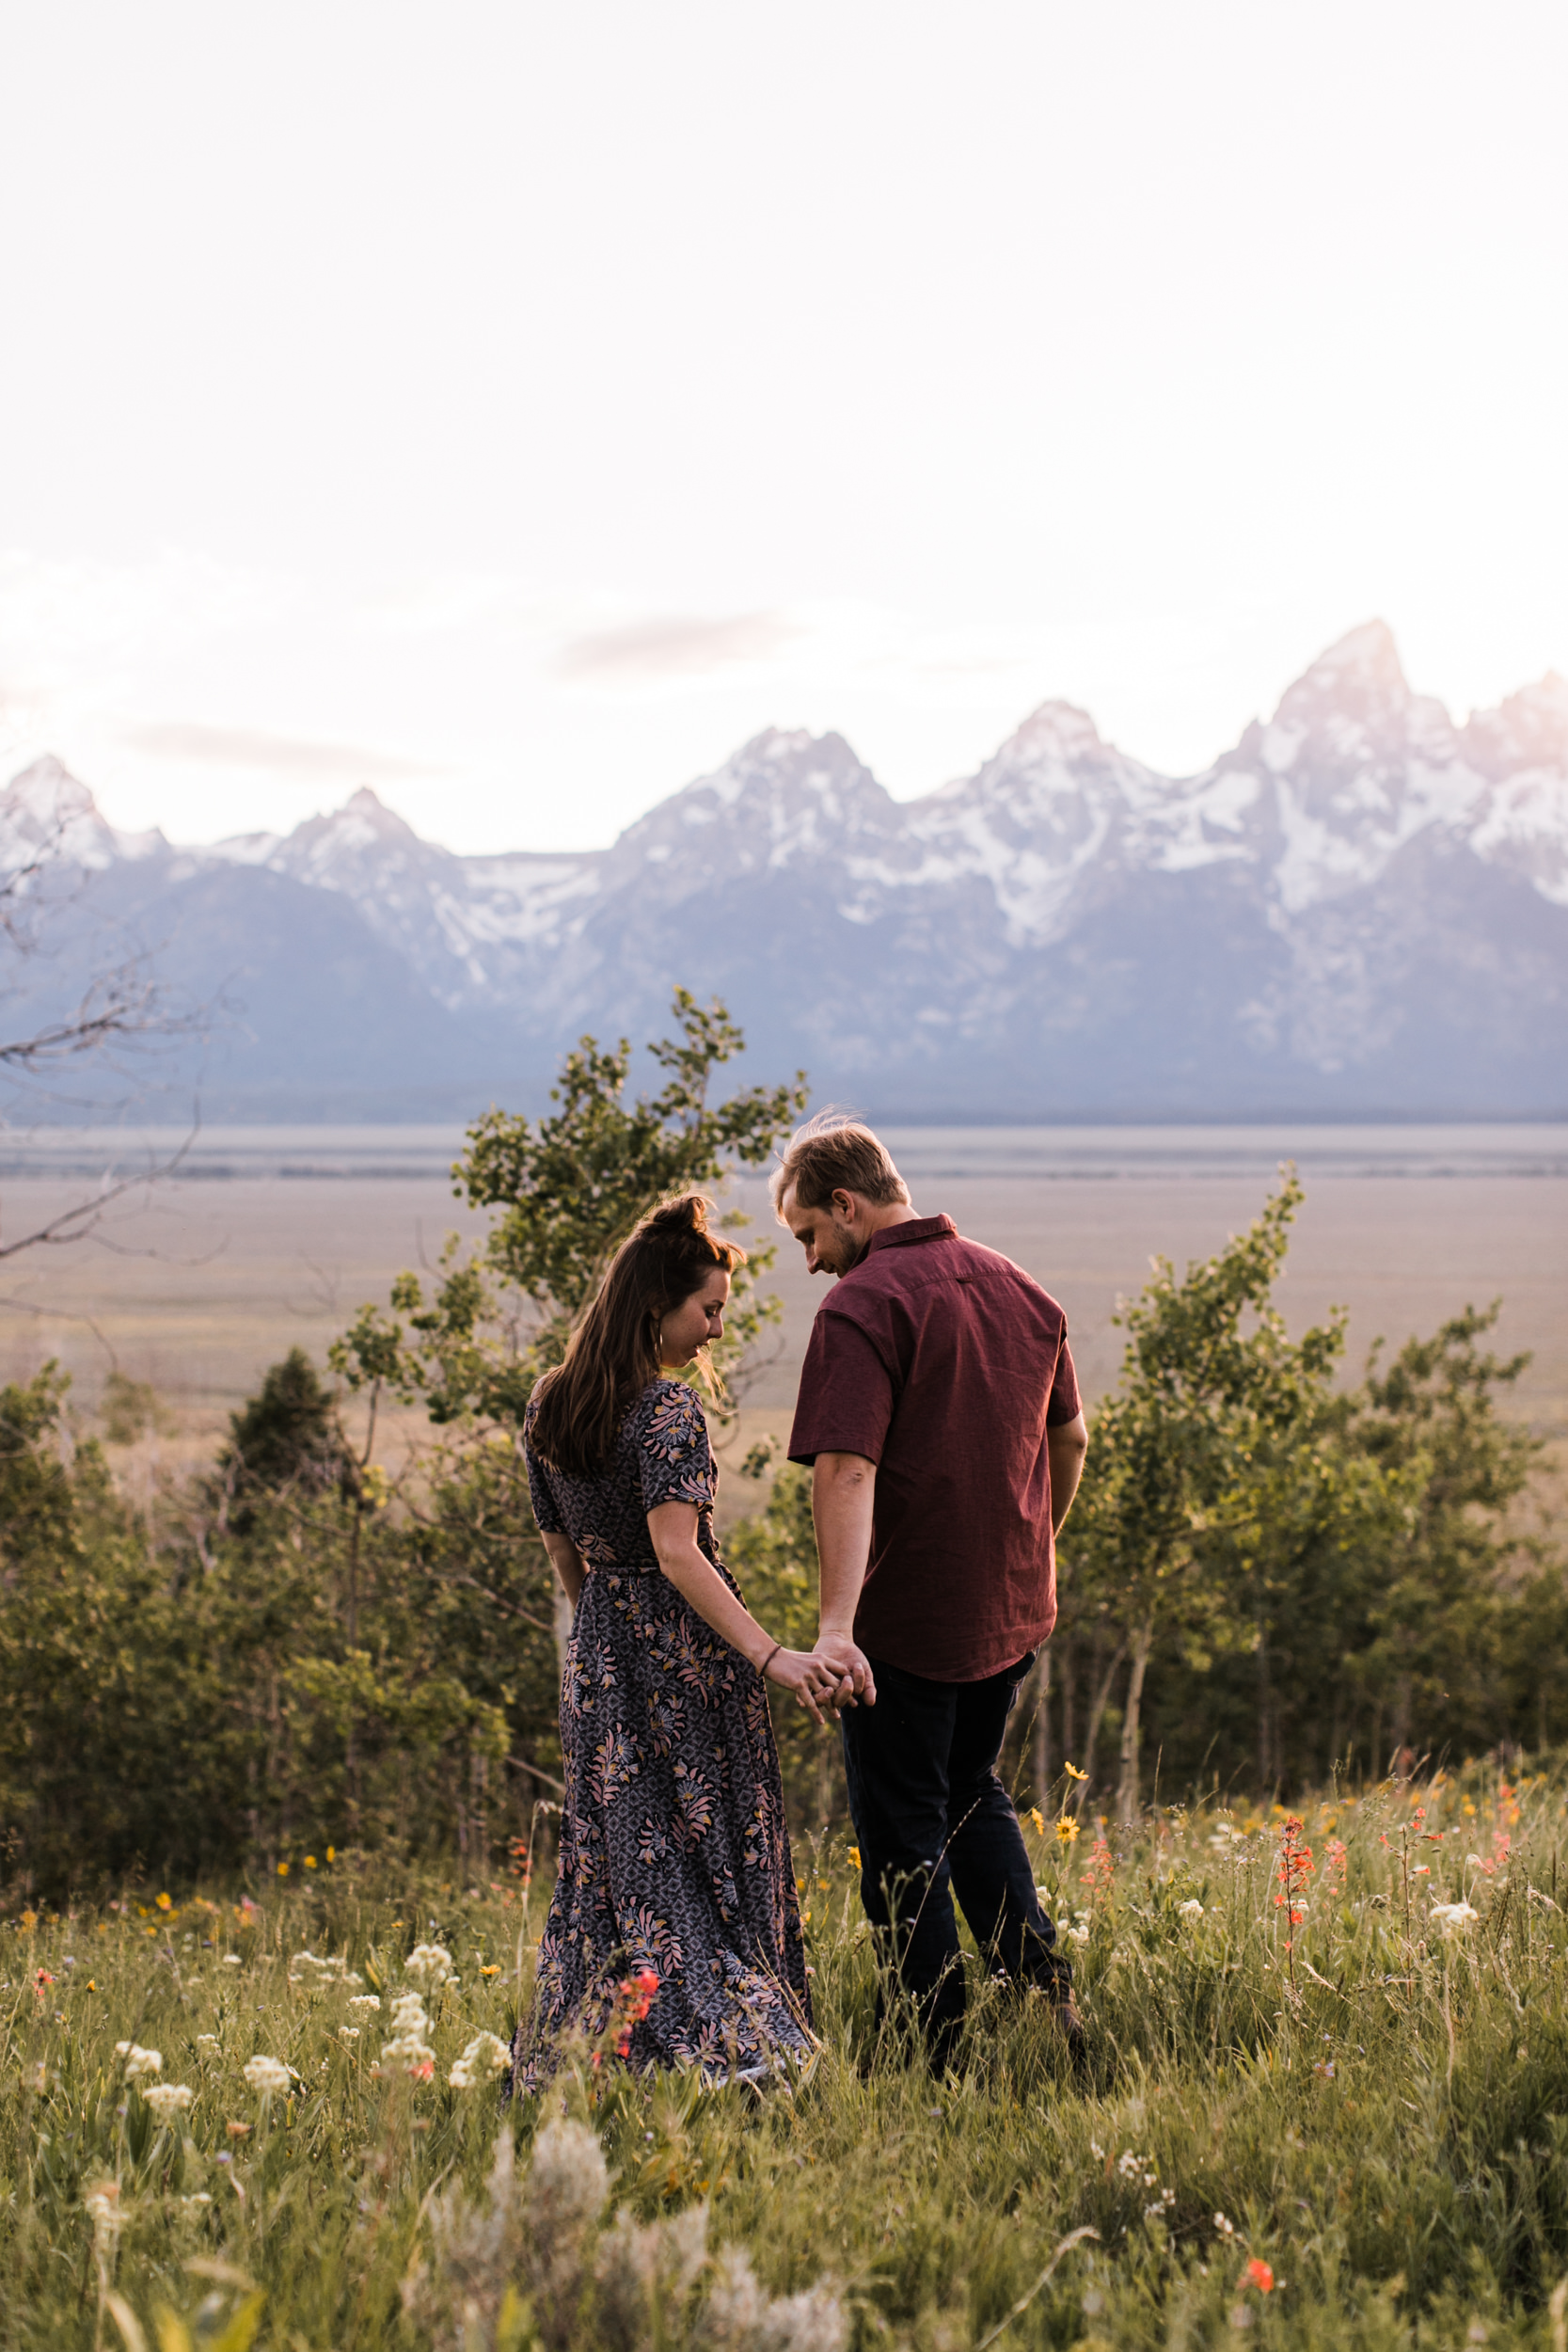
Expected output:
(945, 1365)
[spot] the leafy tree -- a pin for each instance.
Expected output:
(569, 1187)
(286, 1439)
(1213, 1402)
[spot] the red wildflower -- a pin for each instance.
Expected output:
(1260, 2276)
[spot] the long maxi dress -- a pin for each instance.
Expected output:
(674, 1853)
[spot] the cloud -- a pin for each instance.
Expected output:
(252, 747)
(671, 648)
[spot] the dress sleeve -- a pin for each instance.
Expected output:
(546, 1512)
(1063, 1403)
(673, 1451)
(846, 1393)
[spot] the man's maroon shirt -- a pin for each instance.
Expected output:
(945, 1365)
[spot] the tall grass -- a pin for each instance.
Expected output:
(1349, 2128)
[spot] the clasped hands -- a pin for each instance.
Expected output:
(834, 1676)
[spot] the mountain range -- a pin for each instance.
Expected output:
(1361, 911)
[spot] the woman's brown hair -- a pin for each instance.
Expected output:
(613, 1353)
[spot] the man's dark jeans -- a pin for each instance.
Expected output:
(933, 1819)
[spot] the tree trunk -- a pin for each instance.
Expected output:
(1070, 1682)
(1127, 1795)
(1264, 1747)
(1042, 1725)
(1102, 1700)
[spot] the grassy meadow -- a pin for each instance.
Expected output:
(1348, 2128)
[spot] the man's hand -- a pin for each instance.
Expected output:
(857, 1684)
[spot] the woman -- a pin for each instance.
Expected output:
(675, 1856)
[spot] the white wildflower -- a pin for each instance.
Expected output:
(568, 2181)
(167, 2099)
(1078, 1935)
(208, 2037)
(429, 1965)
(407, 2055)
(485, 2057)
(348, 2033)
(103, 2209)
(233, 1960)
(733, 2316)
(1226, 2228)
(325, 1967)
(815, 2321)
(365, 2000)
(1190, 1909)
(200, 2197)
(409, 2015)
(267, 2076)
(1452, 1917)
(137, 2060)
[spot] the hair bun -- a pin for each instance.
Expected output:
(687, 1213)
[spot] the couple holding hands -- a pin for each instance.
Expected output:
(940, 1413)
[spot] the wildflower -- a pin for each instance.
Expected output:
(30, 1919)
(208, 2037)
(491, 1968)
(365, 2000)
(233, 1960)
(1067, 1830)
(236, 2131)
(282, 1869)
(103, 2209)
(309, 1861)
(165, 1902)
(1226, 2228)
(486, 2055)
(1037, 1821)
(40, 1980)
(855, 1857)
(429, 1965)
(267, 2076)
(167, 2100)
(1190, 1909)
(408, 2053)
(1074, 1773)
(1450, 1916)
(137, 2060)
(332, 1853)
(348, 2033)
(1260, 2276)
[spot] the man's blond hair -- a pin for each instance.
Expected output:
(832, 1153)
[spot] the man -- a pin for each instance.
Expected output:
(940, 1413)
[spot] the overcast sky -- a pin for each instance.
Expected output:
(516, 406)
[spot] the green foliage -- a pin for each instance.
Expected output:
(1291, 1573)
(231, 1687)
(1387, 2137)
(568, 1189)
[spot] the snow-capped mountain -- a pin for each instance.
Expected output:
(1362, 908)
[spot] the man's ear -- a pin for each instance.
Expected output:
(844, 1206)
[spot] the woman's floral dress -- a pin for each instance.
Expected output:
(675, 1856)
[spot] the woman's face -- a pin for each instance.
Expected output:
(694, 1322)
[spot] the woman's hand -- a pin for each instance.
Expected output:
(811, 1679)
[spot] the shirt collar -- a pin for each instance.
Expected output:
(917, 1229)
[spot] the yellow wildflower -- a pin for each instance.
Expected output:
(332, 1853)
(309, 1861)
(1072, 1771)
(282, 1869)
(1037, 1821)
(855, 1857)
(165, 1902)
(1067, 1830)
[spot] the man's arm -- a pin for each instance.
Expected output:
(1065, 1447)
(843, 1489)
